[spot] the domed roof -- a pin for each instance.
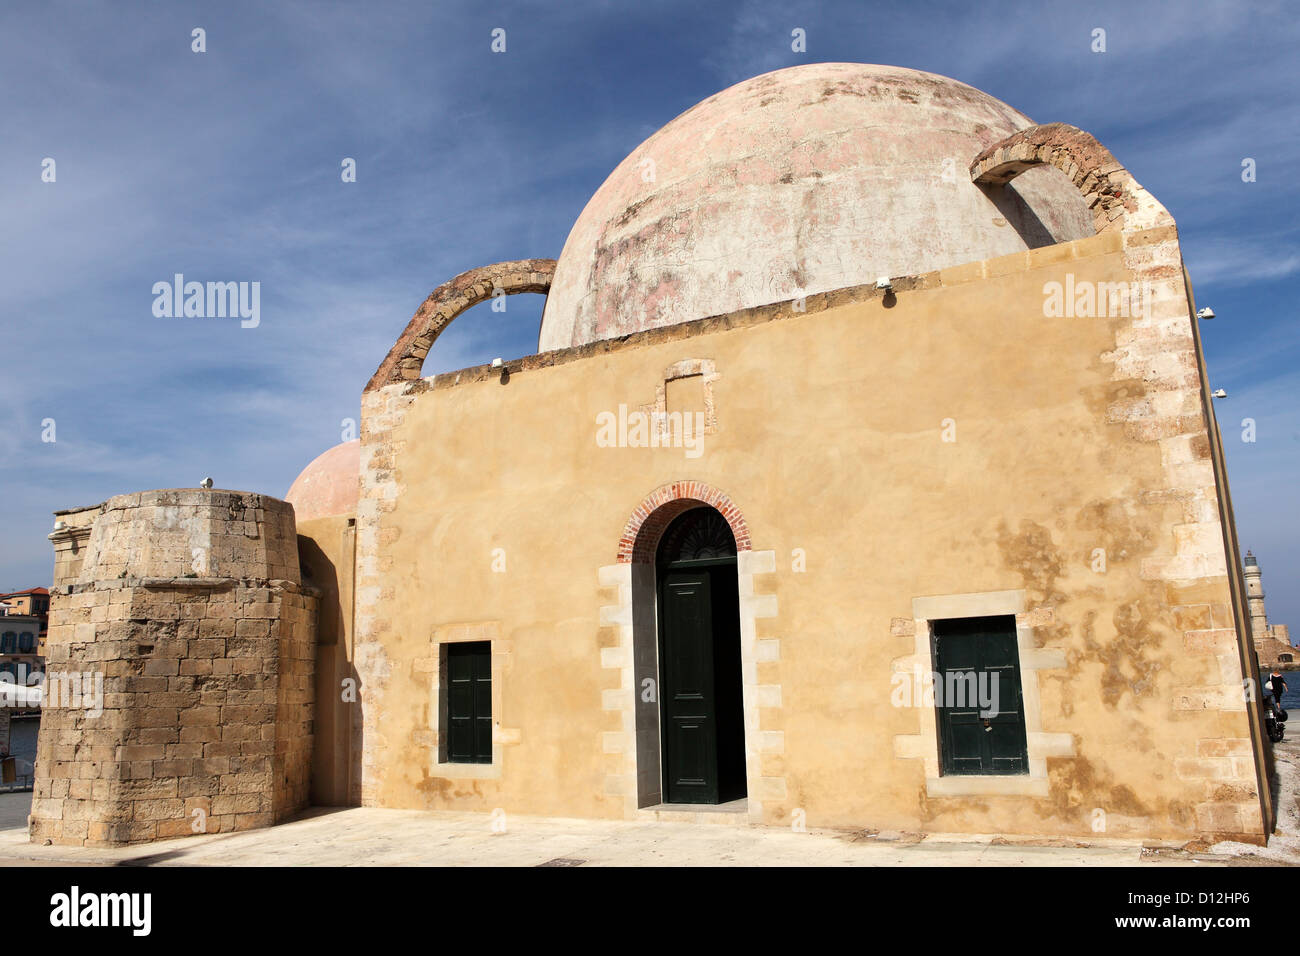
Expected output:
(330, 485)
(796, 182)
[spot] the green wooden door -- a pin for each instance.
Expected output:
(686, 673)
(702, 714)
(978, 696)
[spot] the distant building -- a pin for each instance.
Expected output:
(34, 602)
(20, 658)
(1272, 641)
(24, 622)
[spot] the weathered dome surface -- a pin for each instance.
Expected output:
(330, 485)
(796, 182)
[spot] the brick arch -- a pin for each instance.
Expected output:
(406, 358)
(1109, 188)
(652, 516)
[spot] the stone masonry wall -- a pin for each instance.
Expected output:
(192, 532)
(295, 635)
(182, 704)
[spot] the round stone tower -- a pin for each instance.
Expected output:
(179, 689)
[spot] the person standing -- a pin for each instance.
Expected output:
(1277, 684)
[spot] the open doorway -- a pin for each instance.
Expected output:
(701, 706)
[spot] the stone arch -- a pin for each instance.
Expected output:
(652, 516)
(406, 358)
(1109, 189)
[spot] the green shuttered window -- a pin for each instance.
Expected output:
(467, 690)
(978, 696)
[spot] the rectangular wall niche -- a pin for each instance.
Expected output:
(466, 702)
(685, 395)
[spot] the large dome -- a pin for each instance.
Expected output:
(797, 182)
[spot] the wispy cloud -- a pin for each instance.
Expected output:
(1230, 263)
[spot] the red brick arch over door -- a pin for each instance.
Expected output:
(651, 518)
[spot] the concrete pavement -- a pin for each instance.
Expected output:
(367, 836)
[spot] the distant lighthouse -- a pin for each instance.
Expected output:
(1272, 641)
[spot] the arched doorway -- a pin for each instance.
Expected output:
(701, 706)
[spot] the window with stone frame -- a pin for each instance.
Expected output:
(978, 696)
(467, 702)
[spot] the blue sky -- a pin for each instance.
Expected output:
(225, 165)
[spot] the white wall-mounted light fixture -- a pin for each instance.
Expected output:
(884, 285)
(1220, 393)
(1206, 313)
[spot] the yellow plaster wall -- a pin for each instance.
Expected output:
(327, 556)
(829, 440)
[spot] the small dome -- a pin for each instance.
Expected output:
(330, 486)
(796, 182)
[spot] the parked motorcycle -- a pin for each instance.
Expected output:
(1274, 719)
